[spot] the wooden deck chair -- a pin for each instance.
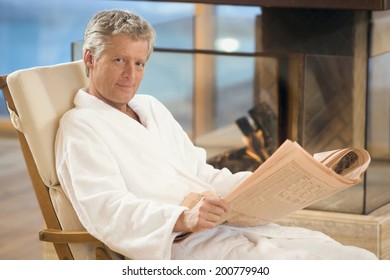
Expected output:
(36, 99)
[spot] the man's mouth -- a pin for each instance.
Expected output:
(124, 85)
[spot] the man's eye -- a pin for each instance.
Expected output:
(140, 64)
(121, 60)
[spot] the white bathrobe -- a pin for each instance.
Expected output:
(126, 182)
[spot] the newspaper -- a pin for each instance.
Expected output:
(291, 179)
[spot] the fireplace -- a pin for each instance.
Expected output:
(324, 75)
(341, 96)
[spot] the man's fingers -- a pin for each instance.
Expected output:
(216, 202)
(206, 214)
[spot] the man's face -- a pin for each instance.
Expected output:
(117, 74)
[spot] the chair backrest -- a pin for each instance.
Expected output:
(41, 96)
(37, 98)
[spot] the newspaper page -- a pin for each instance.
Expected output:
(357, 162)
(289, 180)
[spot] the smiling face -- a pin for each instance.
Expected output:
(116, 75)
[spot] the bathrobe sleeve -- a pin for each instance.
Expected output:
(134, 227)
(221, 180)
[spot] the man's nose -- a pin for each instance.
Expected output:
(129, 71)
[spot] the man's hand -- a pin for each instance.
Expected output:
(204, 215)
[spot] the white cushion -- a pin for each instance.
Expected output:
(41, 96)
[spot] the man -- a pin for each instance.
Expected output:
(126, 165)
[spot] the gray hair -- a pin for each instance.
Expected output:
(106, 24)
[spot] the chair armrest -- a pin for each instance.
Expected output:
(61, 236)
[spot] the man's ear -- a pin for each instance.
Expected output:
(88, 59)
